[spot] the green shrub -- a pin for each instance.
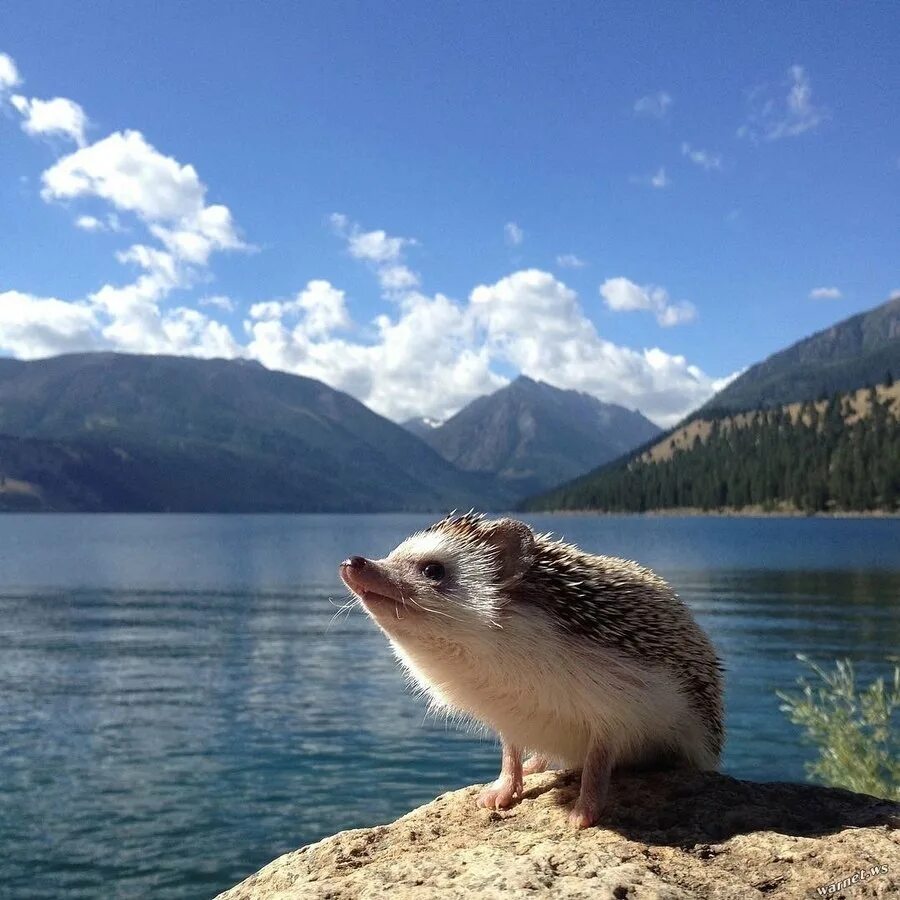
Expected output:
(854, 728)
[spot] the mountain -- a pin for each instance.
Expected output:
(120, 432)
(856, 352)
(532, 436)
(714, 456)
(419, 426)
(842, 453)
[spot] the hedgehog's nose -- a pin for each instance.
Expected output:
(354, 562)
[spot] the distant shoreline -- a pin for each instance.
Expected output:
(747, 512)
(668, 513)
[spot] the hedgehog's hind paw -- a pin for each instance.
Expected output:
(594, 788)
(583, 817)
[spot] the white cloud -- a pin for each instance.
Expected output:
(133, 176)
(51, 117)
(535, 323)
(89, 223)
(127, 172)
(168, 198)
(513, 234)
(435, 355)
(774, 115)
(376, 246)
(622, 295)
(570, 261)
(320, 304)
(9, 74)
(383, 252)
(398, 278)
(218, 301)
(702, 158)
(656, 106)
(324, 306)
(423, 361)
(33, 327)
(825, 293)
(372, 246)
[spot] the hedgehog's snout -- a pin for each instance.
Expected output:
(371, 580)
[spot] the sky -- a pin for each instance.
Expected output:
(415, 203)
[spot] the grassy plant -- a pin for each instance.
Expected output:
(855, 729)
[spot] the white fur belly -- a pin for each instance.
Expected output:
(553, 699)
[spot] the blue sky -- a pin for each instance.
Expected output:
(414, 202)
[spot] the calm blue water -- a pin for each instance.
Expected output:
(177, 706)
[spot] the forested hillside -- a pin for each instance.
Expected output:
(838, 454)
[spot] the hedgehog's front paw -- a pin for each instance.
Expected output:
(502, 794)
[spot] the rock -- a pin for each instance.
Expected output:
(666, 836)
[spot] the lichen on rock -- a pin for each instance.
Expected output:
(666, 835)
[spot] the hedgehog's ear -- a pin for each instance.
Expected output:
(514, 543)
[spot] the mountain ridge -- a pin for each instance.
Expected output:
(224, 435)
(533, 435)
(854, 352)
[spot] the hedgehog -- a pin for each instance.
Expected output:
(588, 662)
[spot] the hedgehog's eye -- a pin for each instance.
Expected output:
(433, 570)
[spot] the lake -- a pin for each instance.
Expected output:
(179, 703)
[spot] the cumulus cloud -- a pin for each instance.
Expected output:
(513, 234)
(124, 171)
(622, 295)
(9, 74)
(570, 261)
(655, 106)
(422, 361)
(702, 158)
(127, 172)
(320, 304)
(535, 322)
(434, 354)
(59, 116)
(33, 327)
(383, 252)
(825, 293)
(783, 111)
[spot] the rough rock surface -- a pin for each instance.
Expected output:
(666, 835)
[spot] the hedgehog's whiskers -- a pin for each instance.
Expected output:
(343, 608)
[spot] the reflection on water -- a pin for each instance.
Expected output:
(179, 703)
